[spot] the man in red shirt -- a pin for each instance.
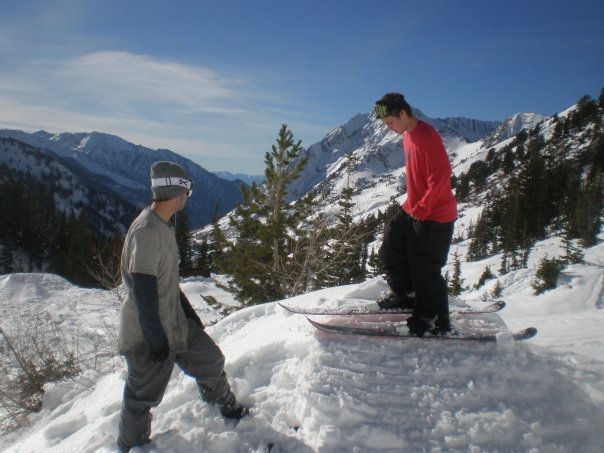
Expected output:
(417, 240)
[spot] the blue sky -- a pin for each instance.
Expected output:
(215, 80)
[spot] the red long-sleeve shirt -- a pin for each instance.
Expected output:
(429, 194)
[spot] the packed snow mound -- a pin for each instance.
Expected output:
(47, 301)
(316, 392)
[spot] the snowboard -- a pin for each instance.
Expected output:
(370, 309)
(390, 330)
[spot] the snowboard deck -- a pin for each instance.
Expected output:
(493, 307)
(390, 330)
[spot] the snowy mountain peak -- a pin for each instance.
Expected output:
(92, 142)
(377, 156)
(512, 126)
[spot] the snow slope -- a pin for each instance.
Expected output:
(316, 392)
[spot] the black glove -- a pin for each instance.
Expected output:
(161, 353)
(188, 309)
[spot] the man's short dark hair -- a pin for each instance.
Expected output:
(395, 103)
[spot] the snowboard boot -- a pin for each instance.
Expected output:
(443, 328)
(392, 300)
(419, 325)
(231, 409)
(236, 412)
(123, 448)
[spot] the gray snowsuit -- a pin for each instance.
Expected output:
(159, 328)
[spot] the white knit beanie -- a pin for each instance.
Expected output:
(168, 180)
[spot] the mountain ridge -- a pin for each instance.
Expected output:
(377, 157)
(124, 167)
(74, 186)
(115, 165)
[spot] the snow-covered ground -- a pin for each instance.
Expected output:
(317, 392)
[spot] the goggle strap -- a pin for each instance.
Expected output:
(381, 111)
(171, 181)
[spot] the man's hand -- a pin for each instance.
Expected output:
(160, 354)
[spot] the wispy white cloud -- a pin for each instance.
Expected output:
(138, 78)
(194, 110)
(207, 151)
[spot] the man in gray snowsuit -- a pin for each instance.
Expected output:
(158, 326)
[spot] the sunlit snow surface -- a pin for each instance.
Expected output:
(311, 391)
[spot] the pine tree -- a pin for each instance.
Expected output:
(534, 185)
(348, 238)
(7, 258)
(589, 209)
(13, 222)
(478, 173)
(504, 266)
(597, 153)
(508, 163)
(558, 129)
(586, 111)
(347, 244)
(462, 188)
(203, 258)
(511, 224)
(497, 290)
(485, 232)
(184, 240)
(80, 251)
(309, 264)
(486, 275)
(572, 253)
(246, 257)
(41, 224)
(546, 275)
(374, 264)
(59, 253)
(217, 244)
(263, 223)
(570, 200)
(456, 282)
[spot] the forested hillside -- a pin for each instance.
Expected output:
(548, 180)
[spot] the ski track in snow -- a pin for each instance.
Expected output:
(312, 391)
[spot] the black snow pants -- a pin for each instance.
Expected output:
(147, 381)
(413, 253)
